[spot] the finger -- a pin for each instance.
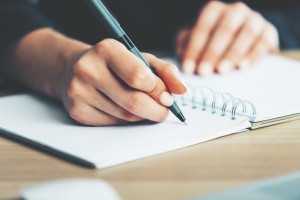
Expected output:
(258, 50)
(127, 66)
(207, 20)
(271, 37)
(268, 42)
(246, 38)
(102, 102)
(181, 41)
(134, 101)
(88, 115)
(134, 72)
(224, 34)
(168, 73)
(84, 92)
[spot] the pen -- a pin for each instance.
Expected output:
(114, 28)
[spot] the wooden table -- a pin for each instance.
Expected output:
(200, 169)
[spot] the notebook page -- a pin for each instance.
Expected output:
(272, 85)
(47, 123)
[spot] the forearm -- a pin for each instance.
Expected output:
(39, 60)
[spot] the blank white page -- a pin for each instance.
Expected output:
(47, 123)
(272, 85)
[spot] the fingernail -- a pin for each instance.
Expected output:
(189, 66)
(244, 64)
(225, 66)
(166, 99)
(205, 68)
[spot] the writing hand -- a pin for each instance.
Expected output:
(109, 85)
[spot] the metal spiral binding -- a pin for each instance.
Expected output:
(201, 96)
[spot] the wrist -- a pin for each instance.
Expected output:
(41, 59)
(71, 50)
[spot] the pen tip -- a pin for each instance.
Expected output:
(185, 123)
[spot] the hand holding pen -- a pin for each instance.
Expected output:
(109, 85)
(115, 30)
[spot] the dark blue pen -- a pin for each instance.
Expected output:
(114, 28)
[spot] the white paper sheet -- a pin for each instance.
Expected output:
(48, 124)
(272, 85)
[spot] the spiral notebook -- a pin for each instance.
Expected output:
(267, 93)
(214, 107)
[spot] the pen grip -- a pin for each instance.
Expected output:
(130, 46)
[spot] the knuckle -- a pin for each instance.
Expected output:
(106, 46)
(255, 24)
(85, 72)
(272, 30)
(240, 6)
(137, 77)
(81, 69)
(208, 13)
(257, 16)
(129, 116)
(74, 91)
(107, 43)
(268, 33)
(270, 36)
(253, 28)
(134, 102)
(271, 27)
(103, 47)
(213, 4)
(78, 114)
(230, 24)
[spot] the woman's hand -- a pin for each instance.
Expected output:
(109, 85)
(225, 36)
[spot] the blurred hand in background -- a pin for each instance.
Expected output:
(225, 37)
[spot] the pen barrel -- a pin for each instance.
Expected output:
(106, 18)
(113, 27)
(136, 52)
